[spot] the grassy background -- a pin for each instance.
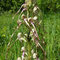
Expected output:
(52, 38)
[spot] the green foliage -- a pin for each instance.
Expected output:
(52, 38)
(49, 5)
(11, 5)
(14, 5)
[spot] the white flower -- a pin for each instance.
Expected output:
(23, 16)
(18, 58)
(35, 9)
(33, 30)
(29, 19)
(32, 51)
(22, 39)
(34, 55)
(35, 18)
(19, 36)
(23, 48)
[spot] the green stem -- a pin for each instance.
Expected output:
(29, 51)
(28, 42)
(27, 13)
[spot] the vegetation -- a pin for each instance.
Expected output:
(14, 5)
(49, 13)
(52, 37)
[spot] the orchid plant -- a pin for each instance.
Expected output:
(28, 17)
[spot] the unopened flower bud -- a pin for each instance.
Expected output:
(35, 18)
(18, 58)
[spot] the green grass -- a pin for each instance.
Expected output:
(52, 37)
